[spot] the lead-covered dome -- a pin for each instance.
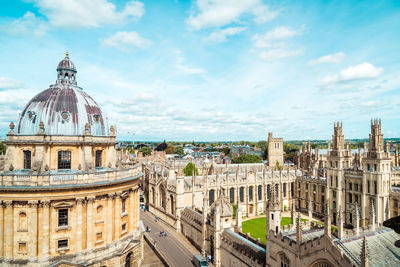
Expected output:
(64, 108)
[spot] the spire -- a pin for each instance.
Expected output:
(299, 230)
(239, 218)
(310, 210)
(364, 253)
(292, 211)
(387, 210)
(327, 226)
(357, 220)
(372, 215)
(340, 226)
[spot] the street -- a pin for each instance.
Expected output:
(170, 245)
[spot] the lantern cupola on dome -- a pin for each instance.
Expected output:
(66, 71)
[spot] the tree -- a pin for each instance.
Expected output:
(290, 151)
(161, 147)
(179, 150)
(2, 148)
(188, 170)
(145, 150)
(247, 158)
(170, 149)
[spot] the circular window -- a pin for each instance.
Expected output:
(31, 115)
(65, 116)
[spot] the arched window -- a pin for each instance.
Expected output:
(128, 260)
(64, 160)
(232, 195)
(259, 193)
(268, 192)
(241, 194)
(322, 263)
(99, 213)
(22, 221)
(284, 261)
(211, 196)
(172, 205)
(27, 159)
(251, 193)
(284, 189)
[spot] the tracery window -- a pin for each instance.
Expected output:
(232, 195)
(241, 193)
(211, 196)
(64, 160)
(27, 159)
(251, 193)
(284, 260)
(259, 192)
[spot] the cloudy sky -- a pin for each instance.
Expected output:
(211, 69)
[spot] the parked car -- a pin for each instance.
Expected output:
(199, 260)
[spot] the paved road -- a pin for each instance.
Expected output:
(178, 255)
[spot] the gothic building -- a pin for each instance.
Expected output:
(353, 192)
(65, 199)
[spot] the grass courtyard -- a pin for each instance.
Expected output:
(257, 227)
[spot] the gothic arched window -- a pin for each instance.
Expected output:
(232, 195)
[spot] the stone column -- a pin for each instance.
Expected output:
(1, 230)
(45, 224)
(109, 218)
(117, 219)
(8, 230)
(33, 230)
(89, 223)
(79, 224)
(131, 212)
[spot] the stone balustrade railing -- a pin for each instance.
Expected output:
(11, 179)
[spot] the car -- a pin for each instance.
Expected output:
(199, 260)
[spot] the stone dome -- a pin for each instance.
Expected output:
(64, 108)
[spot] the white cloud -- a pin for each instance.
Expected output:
(359, 72)
(274, 54)
(333, 58)
(218, 13)
(8, 83)
(269, 39)
(28, 24)
(87, 13)
(221, 35)
(272, 45)
(126, 41)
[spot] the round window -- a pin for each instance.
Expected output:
(65, 116)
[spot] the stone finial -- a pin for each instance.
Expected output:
(46, 168)
(109, 165)
(364, 253)
(80, 166)
(11, 168)
(292, 215)
(11, 132)
(87, 129)
(113, 130)
(41, 128)
(340, 226)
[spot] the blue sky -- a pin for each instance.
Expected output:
(211, 70)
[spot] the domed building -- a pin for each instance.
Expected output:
(65, 198)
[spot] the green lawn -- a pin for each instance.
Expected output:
(257, 227)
